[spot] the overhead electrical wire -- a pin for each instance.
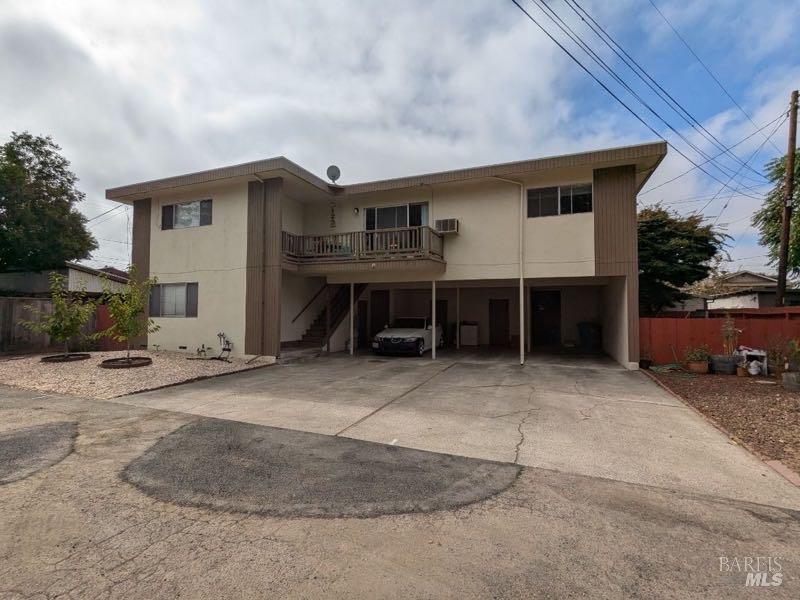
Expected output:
(651, 82)
(732, 146)
(708, 70)
(561, 24)
(752, 156)
(105, 213)
(550, 13)
(611, 92)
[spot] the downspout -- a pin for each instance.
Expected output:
(521, 265)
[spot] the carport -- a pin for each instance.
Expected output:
(578, 316)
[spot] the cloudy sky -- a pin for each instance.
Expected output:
(141, 90)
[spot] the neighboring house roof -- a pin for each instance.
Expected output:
(646, 156)
(99, 272)
(747, 277)
(115, 271)
(751, 290)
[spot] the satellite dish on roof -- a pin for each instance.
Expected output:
(333, 173)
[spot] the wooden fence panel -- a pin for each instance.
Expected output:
(663, 338)
(15, 338)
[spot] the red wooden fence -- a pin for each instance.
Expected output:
(103, 322)
(761, 328)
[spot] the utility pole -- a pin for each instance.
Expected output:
(783, 259)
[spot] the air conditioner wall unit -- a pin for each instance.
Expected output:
(447, 225)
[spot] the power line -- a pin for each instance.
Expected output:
(704, 197)
(729, 147)
(115, 241)
(117, 207)
(654, 85)
(108, 218)
(756, 151)
(708, 70)
(610, 92)
(571, 34)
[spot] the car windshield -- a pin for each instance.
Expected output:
(409, 323)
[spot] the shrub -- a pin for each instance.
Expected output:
(730, 336)
(71, 312)
(127, 311)
(698, 354)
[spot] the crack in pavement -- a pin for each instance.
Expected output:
(408, 391)
(523, 421)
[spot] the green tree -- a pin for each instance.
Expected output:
(71, 312)
(127, 310)
(767, 220)
(674, 252)
(40, 226)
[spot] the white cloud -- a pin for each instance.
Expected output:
(134, 91)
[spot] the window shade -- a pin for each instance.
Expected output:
(167, 216)
(191, 299)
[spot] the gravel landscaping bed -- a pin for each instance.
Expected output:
(86, 378)
(757, 410)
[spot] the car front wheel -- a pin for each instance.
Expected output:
(420, 347)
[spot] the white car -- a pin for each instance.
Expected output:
(407, 335)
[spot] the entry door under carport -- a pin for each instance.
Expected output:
(363, 333)
(379, 311)
(499, 334)
(546, 321)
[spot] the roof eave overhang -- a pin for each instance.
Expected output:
(646, 158)
(261, 169)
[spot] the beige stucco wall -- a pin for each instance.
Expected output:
(615, 320)
(487, 245)
(292, 214)
(214, 256)
(296, 291)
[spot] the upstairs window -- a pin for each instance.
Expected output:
(186, 214)
(393, 217)
(543, 202)
(562, 200)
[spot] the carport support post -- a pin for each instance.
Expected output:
(458, 318)
(521, 321)
(328, 319)
(433, 320)
(352, 344)
(528, 312)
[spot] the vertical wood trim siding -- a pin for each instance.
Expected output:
(263, 295)
(615, 238)
(140, 250)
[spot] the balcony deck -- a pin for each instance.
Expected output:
(388, 249)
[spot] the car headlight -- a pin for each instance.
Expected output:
(410, 339)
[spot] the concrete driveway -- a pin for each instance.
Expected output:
(580, 416)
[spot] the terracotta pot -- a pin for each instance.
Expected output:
(741, 371)
(698, 366)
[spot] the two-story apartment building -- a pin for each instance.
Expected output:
(532, 255)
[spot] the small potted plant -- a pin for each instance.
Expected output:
(645, 359)
(741, 369)
(697, 359)
(726, 362)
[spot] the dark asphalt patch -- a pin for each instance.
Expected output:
(23, 452)
(242, 467)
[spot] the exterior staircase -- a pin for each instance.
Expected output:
(315, 334)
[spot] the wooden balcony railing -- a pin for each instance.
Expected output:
(405, 242)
